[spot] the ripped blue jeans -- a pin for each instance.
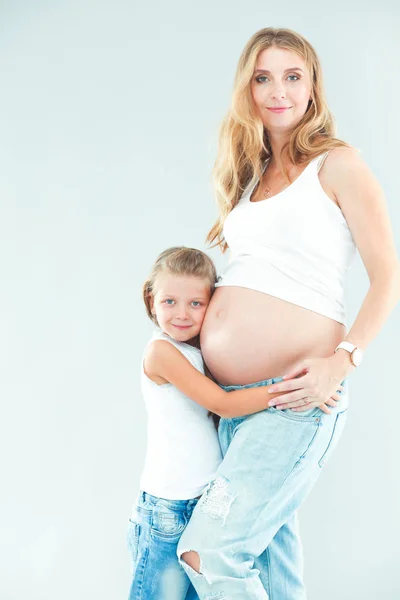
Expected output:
(244, 527)
(153, 534)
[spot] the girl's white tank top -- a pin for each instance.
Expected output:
(183, 450)
(296, 245)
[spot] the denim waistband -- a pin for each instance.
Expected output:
(150, 499)
(231, 388)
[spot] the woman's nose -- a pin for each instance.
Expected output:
(278, 91)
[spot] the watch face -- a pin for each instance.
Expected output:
(356, 357)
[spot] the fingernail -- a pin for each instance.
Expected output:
(271, 403)
(271, 390)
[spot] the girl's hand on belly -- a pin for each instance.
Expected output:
(313, 382)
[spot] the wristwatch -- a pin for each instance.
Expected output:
(356, 354)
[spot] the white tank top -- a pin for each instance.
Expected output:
(183, 450)
(296, 246)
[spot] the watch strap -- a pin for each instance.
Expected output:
(355, 352)
(346, 346)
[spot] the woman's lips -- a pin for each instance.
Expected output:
(279, 110)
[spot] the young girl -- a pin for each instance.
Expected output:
(183, 450)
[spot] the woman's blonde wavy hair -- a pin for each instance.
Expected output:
(243, 141)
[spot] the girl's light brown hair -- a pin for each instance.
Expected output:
(243, 141)
(178, 260)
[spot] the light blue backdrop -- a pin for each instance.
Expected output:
(108, 124)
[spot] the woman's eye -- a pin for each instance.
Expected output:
(169, 301)
(264, 78)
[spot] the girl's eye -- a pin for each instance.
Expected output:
(169, 301)
(196, 303)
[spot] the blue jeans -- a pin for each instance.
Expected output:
(271, 461)
(153, 534)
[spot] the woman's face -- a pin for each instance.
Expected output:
(281, 80)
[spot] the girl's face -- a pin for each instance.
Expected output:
(281, 80)
(180, 304)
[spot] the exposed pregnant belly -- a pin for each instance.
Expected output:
(248, 336)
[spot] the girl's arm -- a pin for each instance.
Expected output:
(164, 363)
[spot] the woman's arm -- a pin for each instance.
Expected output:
(362, 202)
(164, 363)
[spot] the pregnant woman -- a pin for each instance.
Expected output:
(295, 203)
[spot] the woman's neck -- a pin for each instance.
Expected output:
(277, 141)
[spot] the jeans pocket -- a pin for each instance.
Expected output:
(337, 431)
(305, 415)
(133, 543)
(168, 523)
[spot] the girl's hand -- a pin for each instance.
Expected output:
(313, 382)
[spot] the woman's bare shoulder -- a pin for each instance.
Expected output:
(344, 173)
(343, 165)
(343, 157)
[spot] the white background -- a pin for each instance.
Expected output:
(109, 113)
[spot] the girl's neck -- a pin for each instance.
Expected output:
(195, 342)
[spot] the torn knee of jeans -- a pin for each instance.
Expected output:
(193, 573)
(217, 499)
(190, 558)
(189, 567)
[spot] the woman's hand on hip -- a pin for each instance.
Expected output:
(312, 382)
